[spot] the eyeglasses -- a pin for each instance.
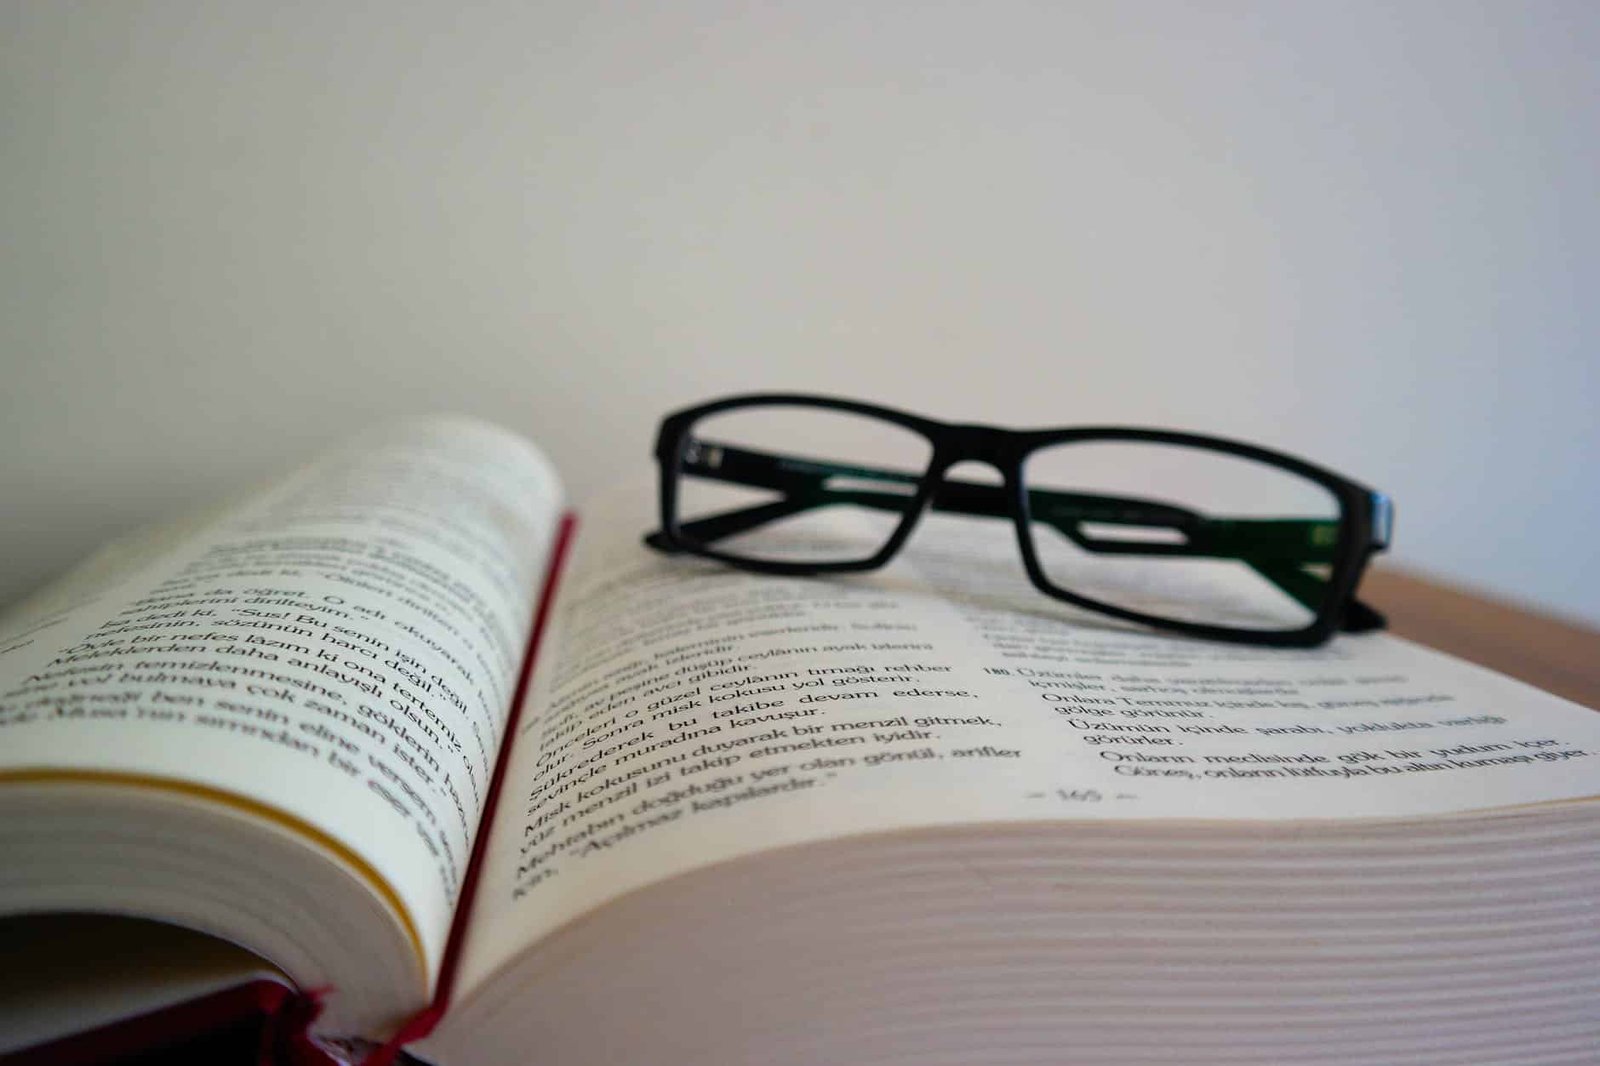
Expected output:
(1183, 532)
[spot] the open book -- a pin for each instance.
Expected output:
(923, 815)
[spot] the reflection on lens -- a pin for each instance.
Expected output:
(1182, 533)
(796, 484)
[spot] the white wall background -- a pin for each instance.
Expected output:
(1365, 232)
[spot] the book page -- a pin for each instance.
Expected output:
(341, 648)
(685, 713)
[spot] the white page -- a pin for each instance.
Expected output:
(686, 713)
(342, 649)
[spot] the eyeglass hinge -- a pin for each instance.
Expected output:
(707, 455)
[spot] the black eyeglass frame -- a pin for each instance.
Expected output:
(1364, 525)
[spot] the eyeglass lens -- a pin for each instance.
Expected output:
(797, 484)
(1182, 533)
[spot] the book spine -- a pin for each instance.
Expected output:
(422, 1023)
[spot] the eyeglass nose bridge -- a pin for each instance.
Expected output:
(990, 445)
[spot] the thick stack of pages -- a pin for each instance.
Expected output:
(1464, 940)
(919, 817)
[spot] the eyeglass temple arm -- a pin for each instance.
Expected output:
(1277, 549)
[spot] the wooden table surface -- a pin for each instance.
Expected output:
(1559, 656)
